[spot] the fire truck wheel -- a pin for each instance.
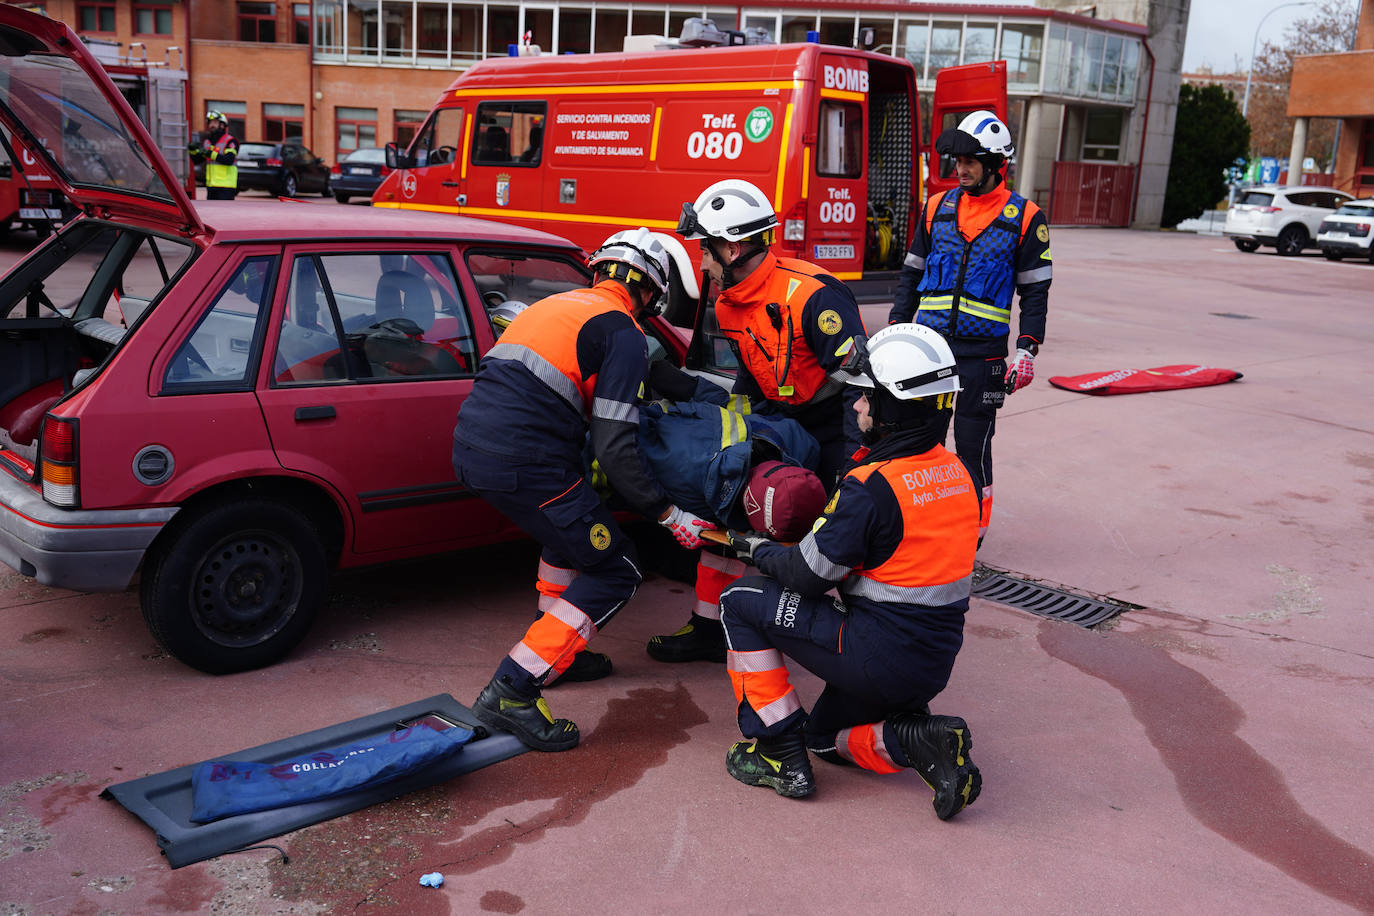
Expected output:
(234, 586)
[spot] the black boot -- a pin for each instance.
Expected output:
(937, 748)
(586, 666)
(528, 718)
(701, 639)
(780, 763)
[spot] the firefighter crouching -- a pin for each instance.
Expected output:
(975, 246)
(898, 539)
(218, 150)
(567, 366)
(791, 326)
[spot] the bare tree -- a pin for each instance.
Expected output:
(1331, 27)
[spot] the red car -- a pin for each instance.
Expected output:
(232, 397)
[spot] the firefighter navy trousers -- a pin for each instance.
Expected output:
(868, 675)
(588, 569)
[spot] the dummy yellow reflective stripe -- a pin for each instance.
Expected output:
(732, 428)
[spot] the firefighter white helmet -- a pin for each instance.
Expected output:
(645, 258)
(732, 210)
(992, 135)
(909, 361)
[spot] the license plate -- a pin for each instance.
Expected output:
(39, 213)
(357, 171)
(248, 162)
(832, 252)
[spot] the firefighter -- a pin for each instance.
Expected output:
(791, 326)
(977, 244)
(218, 149)
(898, 538)
(567, 366)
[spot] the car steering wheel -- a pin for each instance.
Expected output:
(493, 298)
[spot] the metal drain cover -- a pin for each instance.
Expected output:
(1046, 601)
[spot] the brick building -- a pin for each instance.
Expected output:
(1339, 86)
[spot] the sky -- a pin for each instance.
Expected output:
(1220, 31)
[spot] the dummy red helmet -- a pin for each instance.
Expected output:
(783, 500)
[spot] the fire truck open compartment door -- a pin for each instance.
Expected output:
(894, 136)
(958, 91)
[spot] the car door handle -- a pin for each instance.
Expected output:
(322, 412)
(449, 184)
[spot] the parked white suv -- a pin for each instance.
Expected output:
(1286, 218)
(1349, 232)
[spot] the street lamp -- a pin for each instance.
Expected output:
(1254, 45)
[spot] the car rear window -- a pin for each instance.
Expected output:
(375, 156)
(257, 149)
(1256, 198)
(1364, 211)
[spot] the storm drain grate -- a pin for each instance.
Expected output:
(1044, 600)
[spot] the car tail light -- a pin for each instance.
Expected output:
(336, 169)
(274, 163)
(384, 172)
(794, 227)
(1269, 209)
(1360, 229)
(57, 464)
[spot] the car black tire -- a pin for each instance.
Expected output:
(341, 197)
(1246, 244)
(288, 185)
(1292, 240)
(235, 586)
(1332, 255)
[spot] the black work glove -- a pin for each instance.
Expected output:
(670, 382)
(744, 545)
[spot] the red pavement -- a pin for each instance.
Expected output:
(1209, 754)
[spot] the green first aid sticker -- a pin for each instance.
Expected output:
(759, 124)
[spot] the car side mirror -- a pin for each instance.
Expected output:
(395, 159)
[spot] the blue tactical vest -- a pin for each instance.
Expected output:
(967, 287)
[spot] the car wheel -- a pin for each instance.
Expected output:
(1332, 255)
(341, 197)
(288, 185)
(234, 587)
(1246, 244)
(1292, 240)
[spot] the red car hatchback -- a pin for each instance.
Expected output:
(232, 397)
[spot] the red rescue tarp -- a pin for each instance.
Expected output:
(1133, 381)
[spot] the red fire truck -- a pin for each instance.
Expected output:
(585, 145)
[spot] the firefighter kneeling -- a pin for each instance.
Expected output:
(898, 538)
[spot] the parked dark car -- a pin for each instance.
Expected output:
(285, 169)
(358, 174)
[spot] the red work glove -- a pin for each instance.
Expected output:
(1021, 371)
(685, 526)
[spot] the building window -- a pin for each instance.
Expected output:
(1021, 49)
(882, 34)
(611, 28)
(980, 42)
(1102, 135)
(257, 22)
(574, 30)
(434, 33)
(944, 46)
(300, 23)
(1364, 165)
(407, 125)
(96, 17)
(357, 127)
(235, 112)
(502, 29)
(329, 27)
(915, 36)
(152, 19)
(282, 122)
(837, 31)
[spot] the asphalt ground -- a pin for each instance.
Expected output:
(1207, 752)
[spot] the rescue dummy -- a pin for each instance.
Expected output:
(897, 541)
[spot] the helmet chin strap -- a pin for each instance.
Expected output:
(727, 271)
(991, 178)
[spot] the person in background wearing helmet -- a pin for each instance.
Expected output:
(791, 326)
(898, 539)
(566, 367)
(218, 149)
(977, 244)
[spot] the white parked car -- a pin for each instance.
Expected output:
(1349, 231)
(1286, 218)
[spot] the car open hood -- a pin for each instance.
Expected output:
(58, 102)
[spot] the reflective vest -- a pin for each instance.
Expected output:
(221, 176)
(544, 339)
(934, 564)
(771, 342)
(967, 287)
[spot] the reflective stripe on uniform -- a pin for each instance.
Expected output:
(760, 679)
(543, 370)
(915, 262)
(551, 583)
(606, 409)
(1036, 275)
(972, 306)
(863, 744)
(714, 575)
(932, 595)
(819, 563)
(553, 639)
